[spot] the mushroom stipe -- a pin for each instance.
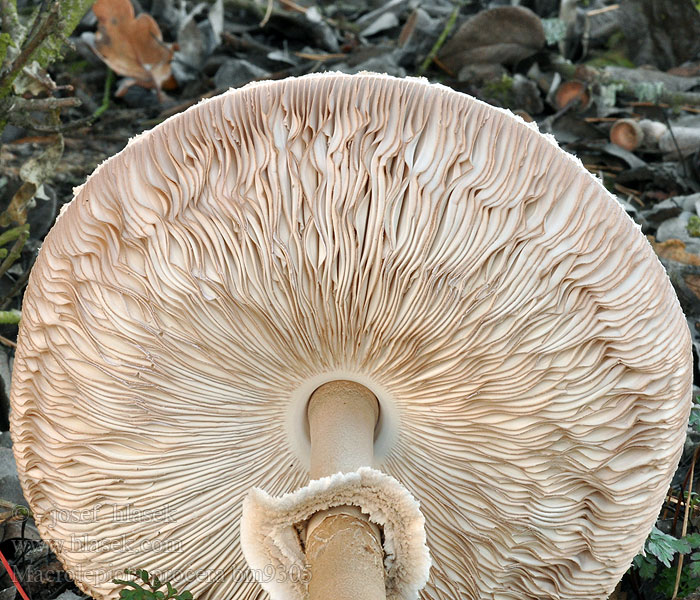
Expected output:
(531, 364)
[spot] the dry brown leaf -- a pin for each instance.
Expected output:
(503, 35)
(34, 172)
(132, 46)
(674, 250)
(693, 283)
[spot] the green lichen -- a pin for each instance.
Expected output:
(52, 27)
(693, 226)
(554, 30)
(52, 48)
(5, 43)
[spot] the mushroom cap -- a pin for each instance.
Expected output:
(531, 361)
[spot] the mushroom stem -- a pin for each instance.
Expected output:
(343, 549)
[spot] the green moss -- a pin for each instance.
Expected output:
(76, 67)
(610, 58)
(614, 56)
(500, 90)
(693, 226)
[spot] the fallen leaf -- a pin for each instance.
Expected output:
(693, 282)
(675, 250)
(503, 35)
(132, 46)
(34, 172)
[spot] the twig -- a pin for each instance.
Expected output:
(601, 119)
(600, 11)
(449, 25)
(21, 120)
(7, 342)
(17, 104)
(596, 168)
(686, 171)
(662, 105)
(548, 123)
(633, 194)
(254, 7)
(673, 500)
(321, 57)
(444, 67)
(597, 76)
(15, 252)
(239, 43)
(12, 234)
(268, 14)
(303, 10)
(18, 286)
(684, 529)
(43, 31)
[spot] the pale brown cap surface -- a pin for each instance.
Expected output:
(531, 361)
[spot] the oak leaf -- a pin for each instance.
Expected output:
(132, 46)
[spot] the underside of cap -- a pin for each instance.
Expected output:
(528, 353)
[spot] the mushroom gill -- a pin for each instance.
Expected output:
(531, 361)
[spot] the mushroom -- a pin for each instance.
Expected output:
(529, 359)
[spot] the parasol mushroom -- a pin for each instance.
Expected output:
(350, 238)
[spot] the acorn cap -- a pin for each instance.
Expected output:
(627, 133)
(570, 92)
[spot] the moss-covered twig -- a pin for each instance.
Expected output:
(19, 112)
(12, 234)
(16, 250)
(10, 317)
(18, 285)
(49, 26)
(43, 43)
(636, 89)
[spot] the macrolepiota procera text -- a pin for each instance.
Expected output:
(349, 337)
